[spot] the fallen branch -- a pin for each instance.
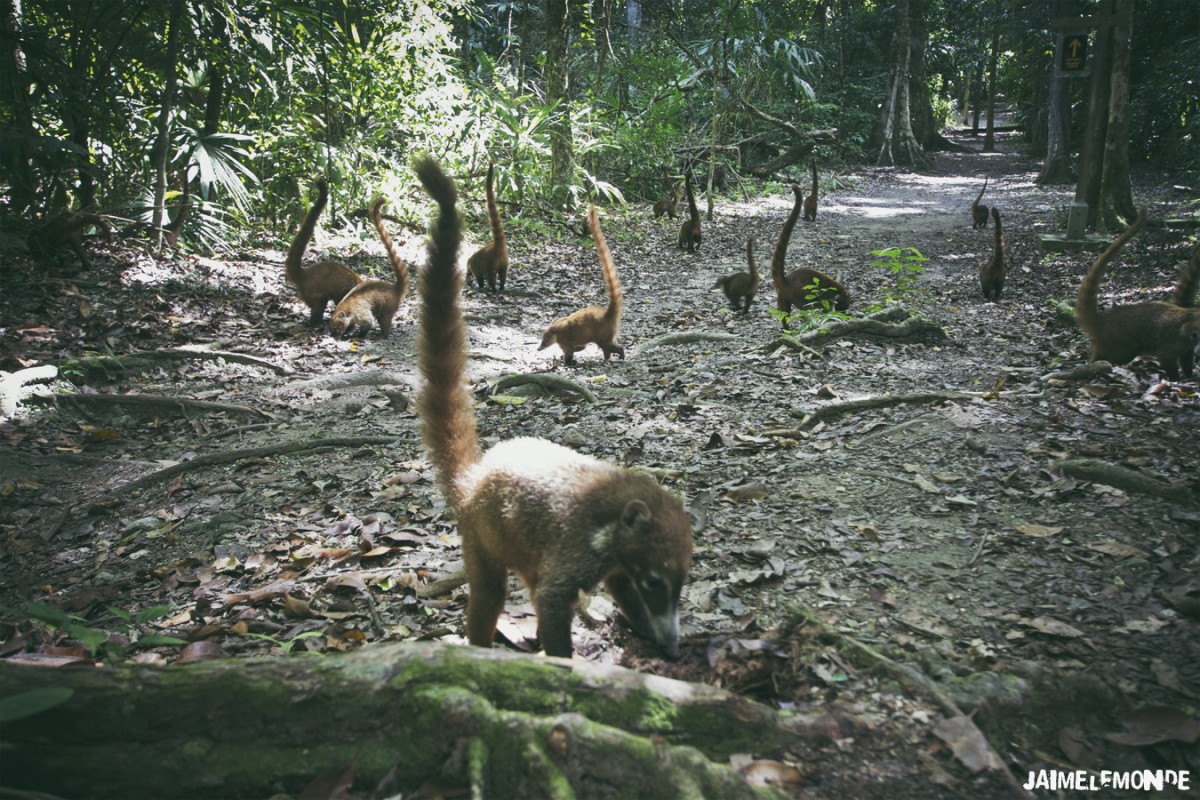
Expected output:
(825, 413)
(1084, 372)
(553, 383)
(443, 585)
(913, 328)
(1127, 480)
(374, 377)
(686, 337)
(157, 401)
(790, 343)
(104, 367)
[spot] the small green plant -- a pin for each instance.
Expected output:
(803, 320)
(98, 641)
(905, 263)
(287, 645)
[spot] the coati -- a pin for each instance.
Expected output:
(979, 213)
(991, 274)
(325, 281)
(1184, 295)
(171, 231)
(560, 520)
(591, 324)
(741, 285)
(810, 202)
(1119, 334)
(374, 301)
(668, 206)
(66, 229)
(490, 262)
(802, 288)
(689, 232)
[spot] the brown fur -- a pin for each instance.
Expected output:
(592, 324)
(802, 288)
(810, 202)
(670, 205)
(372, 302)
(1184, 295)
(689, 232)
(741, 285)
(66, 230)
(979, 213)
(171, 232)
(560, 520)
(1121, 333)
(991, 274)
(490, 263)
(324, 282)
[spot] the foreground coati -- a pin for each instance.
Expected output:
(810, 202)
(560, 520)
(66, 229)
(372, 302)
(490, 263)
(689, 232)
(668, 206)
(1119, 334)
(991, 274)
(326, 281)
(592, 324)
(979, 213)
(802, 288)
(741, 285)
(175, 226)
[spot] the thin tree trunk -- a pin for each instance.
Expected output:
(899, 145)
(14, 68)
(161, 152)
(1116, 190)
(1056, 168)
(562, 152)
(989, 139)
(1091, 160)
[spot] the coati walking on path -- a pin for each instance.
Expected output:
(802, 288)
(669, 205)
(66, 229)
(591, 324)
(490, 263)
(741, 285)
(979, 213)
(326, 281)
(372, 302)
(1119, 334)
(560, 520)
(991, 274)
(689, 232)
(810, 202)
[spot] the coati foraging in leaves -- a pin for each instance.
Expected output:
(66, 230)
(810, 202)
(668, 206)
(490, 263)
(979, 213)
(802, 288)
(689, 232)
(591, 324)
(560, 520)
(326, 281)
(1119, 334)
(991, 274)
(741, 285)
(374, 301)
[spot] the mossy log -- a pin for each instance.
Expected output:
(493, 723)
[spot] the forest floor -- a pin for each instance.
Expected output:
(1060, 610)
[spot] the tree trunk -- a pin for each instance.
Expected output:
(562, 152)
(1091, 160)
(497, 723)
(989, 138)
(160, 154)
(1116, 189)
(1056, 168)
(899, 145)
(15, 87)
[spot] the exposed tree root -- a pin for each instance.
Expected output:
(103, 368)
(913, 329)
(686, 337)
(156, 402)
(373, 377)
(1084, 372)
(826, 413)
(554, 383)
(1127, 480)
(443, 585)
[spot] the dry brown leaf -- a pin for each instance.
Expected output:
(970, 746)
(1154, 724)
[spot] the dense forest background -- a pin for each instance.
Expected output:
(121, 105)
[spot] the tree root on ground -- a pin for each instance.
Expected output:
(546, 380)
(1084, 372)
(373, 377)
(103, 368)
(913, 329)
(1127, 480)
(810, 417)
(158, 403)
(686, 337)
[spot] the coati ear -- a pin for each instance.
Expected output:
(636, 515)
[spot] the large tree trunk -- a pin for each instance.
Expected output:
(160, 154)
(562, 151)
(1116, 189)
(15, 92)
(496, 723)
(989, 138)
(899, 145)
(1057, 168)
(1091, 160)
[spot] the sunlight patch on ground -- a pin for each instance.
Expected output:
(878, 208)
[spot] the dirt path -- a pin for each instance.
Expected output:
(942, 533)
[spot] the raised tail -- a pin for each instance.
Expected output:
(1087, 309)
(693, 211)
(612, 284)
(750, 260)
(979, 196)
(398, 265)
(780, 255)
(1184, 295)
(494, 213)
(295, 255)
(999, 234)
(447, 419)
(814, 177)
